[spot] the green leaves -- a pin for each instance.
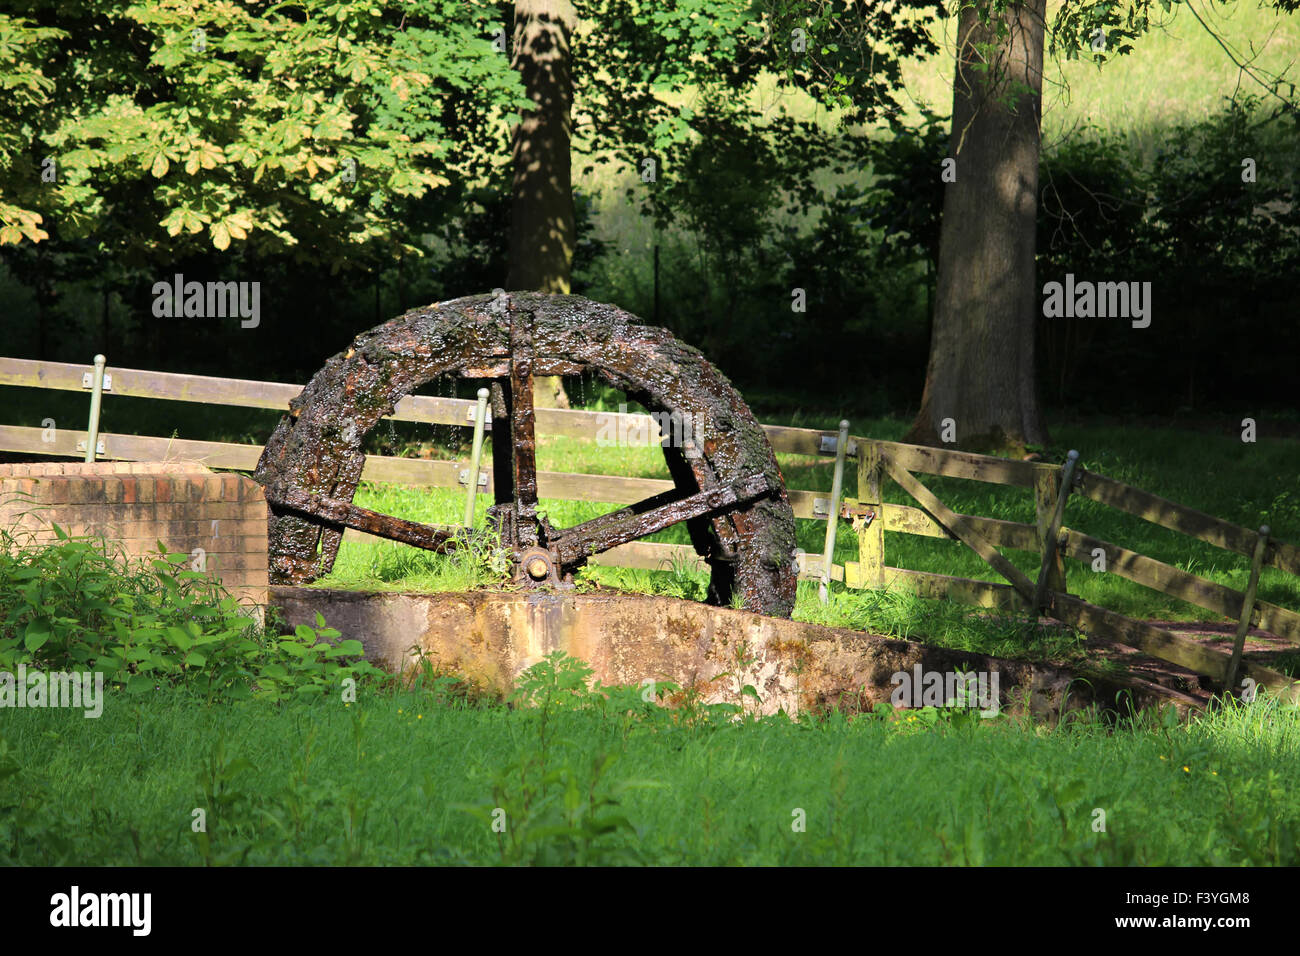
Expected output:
(1079, 28)
(36, 634)
(17, 224)
(557, 680)
(25, 97)
(183, 218)
(254, 113)
(139, 684)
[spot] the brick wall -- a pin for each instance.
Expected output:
(138, 504)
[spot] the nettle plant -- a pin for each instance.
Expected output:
(78, 605)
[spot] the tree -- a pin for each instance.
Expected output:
(625, 61)
(310, 128)
(318, 131)
(280, 142)
(981, 372)
(981, 382)
(542, 228)
(632, 60)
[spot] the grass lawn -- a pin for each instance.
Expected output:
(433, 774)
(405, 777)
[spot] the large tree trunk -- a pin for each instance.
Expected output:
(981, 372)
(542, 230)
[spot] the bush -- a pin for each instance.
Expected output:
(76, 605)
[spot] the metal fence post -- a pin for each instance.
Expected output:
(476, 456)
(833, 515)
(96, 394)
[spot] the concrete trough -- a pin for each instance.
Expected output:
(490, 637)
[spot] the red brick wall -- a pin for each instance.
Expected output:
(138, 504)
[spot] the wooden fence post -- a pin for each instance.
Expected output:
(1247, 608)
(871, 539)
(1050, 491)
(1046, 488)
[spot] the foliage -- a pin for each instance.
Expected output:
(1218, 242)
(906, 197)
(866, 256)
(312, 127)
(24, 92)
(633, 57)
(76, 606)
(470, 255)
(304, 127)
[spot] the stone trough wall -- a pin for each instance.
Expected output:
(490, 637)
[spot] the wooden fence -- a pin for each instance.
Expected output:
(877, 463)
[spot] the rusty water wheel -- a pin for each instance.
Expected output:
(728, 488)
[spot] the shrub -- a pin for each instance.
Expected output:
(79, 605)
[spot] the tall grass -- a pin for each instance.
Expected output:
(600, 776)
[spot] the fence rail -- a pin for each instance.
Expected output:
(878, 462)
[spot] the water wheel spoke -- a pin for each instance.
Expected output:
(628, 524)
(693, 462)
(522, 428)
(335, 511)
(714, 538)
(591, 530)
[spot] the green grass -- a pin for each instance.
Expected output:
(414, 777)
(1177, 72)
(440, 772)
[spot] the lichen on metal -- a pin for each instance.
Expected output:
(729, 490)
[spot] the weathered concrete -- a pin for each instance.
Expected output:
(490, 637)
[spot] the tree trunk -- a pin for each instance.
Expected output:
(981, 372)
(542, 229)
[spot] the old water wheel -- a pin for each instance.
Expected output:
(728, 488)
